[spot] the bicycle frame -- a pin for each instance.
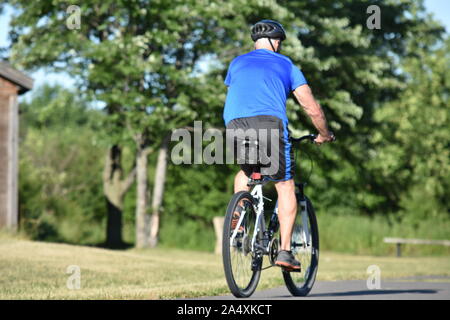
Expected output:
(257, 194)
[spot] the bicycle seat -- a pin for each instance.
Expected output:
(256, 178)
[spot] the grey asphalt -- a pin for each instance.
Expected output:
(425, 288)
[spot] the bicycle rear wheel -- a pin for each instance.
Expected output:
(305, 248)
(241, 265)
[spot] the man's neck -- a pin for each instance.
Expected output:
(263, 47)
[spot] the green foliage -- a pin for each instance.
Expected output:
(56, 107)
(60, 191)
(353, 70)
(413, 158)
(195, 194)
(135, 56)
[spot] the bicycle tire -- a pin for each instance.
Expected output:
(239, 290)
(309, 277)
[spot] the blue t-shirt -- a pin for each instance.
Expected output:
(259, 83)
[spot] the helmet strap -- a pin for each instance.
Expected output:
(270, 41)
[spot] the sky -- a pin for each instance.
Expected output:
(439, 8)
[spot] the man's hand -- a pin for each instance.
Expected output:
(322, 139)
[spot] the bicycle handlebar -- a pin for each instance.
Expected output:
(309, 137)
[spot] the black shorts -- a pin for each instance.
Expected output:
(271, 154)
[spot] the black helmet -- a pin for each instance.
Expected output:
(268, 29)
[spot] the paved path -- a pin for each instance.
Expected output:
(434, 288)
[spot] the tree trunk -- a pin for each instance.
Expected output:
(142, 219)
(158, 191)
(114, 226)
(114, 189)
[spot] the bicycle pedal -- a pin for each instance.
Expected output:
(256, 264)
(286, 269)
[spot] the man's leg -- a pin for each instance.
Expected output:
(240, 182)
(287, 210)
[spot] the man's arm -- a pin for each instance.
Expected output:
(304, 96)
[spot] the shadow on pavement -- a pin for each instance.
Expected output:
(373, 292)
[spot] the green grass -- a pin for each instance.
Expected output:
(37, 270)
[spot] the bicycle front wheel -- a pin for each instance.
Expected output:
(305, 248)
(241, 264)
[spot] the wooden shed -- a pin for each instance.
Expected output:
(12, 84)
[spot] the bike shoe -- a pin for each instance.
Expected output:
(286, 260)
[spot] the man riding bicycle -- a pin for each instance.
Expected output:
(259, 83)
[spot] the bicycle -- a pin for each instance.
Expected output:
(245, 244)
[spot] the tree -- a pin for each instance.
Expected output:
(352, 70)
(134, 56)
(115, 186)
(413, 159)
